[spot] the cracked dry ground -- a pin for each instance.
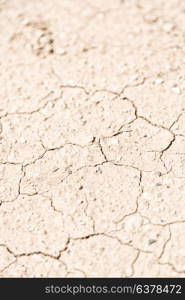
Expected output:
(92, 138)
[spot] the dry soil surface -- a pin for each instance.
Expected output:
(92, 138)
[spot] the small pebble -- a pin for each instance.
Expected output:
(168, 27)
(98, 170)
(22, 140)
(158, 80)
(150, 18)
(61, 51)
(151, 241)
(176, 90)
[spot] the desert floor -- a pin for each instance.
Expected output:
(92, 138)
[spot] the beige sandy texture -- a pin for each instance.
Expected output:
(92, 138)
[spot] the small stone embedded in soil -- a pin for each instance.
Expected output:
(176, 90)
(168, 27)
(152, 241)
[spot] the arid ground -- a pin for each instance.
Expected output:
(92, 138)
